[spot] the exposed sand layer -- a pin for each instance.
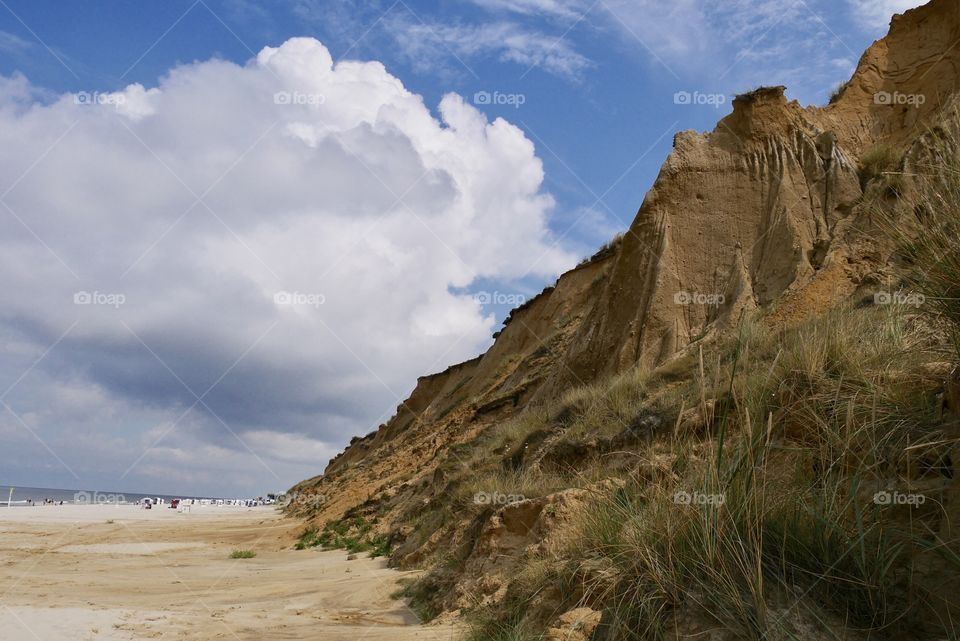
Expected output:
(122, 573)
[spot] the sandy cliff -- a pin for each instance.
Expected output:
(762, 212)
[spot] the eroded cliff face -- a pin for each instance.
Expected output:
(762, 212)
(452, 407)
(737, 217)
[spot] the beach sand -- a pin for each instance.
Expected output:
(98, 572)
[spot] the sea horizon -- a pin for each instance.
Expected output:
(82, 496)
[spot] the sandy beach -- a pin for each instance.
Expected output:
(122, 573)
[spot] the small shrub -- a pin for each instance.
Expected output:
(242, 554)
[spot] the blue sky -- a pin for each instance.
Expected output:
(597, 80)
(405, 221)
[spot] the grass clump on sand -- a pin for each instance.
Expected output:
(352, 534)
(242, 554)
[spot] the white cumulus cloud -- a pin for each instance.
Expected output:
(261, 249)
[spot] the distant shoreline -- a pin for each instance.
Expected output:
(23, 494)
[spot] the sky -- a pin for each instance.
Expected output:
(234, 233)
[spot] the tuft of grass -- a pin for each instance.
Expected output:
(421, 595)
(488, 627)
(308, 539)
(379, 546)
(474, 490)
(604, 408)
(242, 554)
(837, 92)
(876, 162)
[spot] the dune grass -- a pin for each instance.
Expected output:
(778, 502)
(929, 238)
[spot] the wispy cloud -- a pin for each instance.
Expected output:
(875, 14)
(543, 8)
(11, 43)
(733, 45)
(511, 31)
(428, 45)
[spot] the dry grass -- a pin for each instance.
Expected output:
(929, 241)
(604, 408)
(821, 418)
(877, 160)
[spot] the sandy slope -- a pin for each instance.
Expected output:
(69, 573)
